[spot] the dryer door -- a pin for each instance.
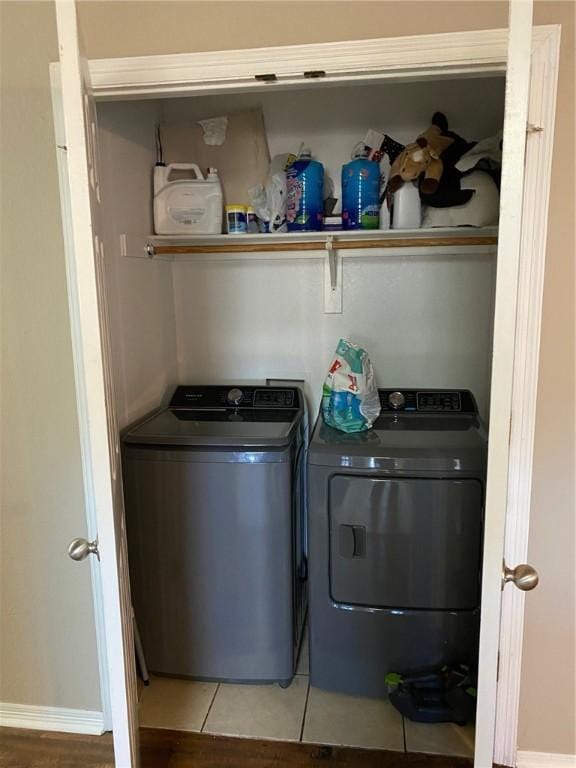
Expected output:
(405, 543)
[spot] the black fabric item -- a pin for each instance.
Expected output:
(391, 147)
(448, 192)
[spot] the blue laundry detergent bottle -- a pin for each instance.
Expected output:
(360, 193)
(305, 194)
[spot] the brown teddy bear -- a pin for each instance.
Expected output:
(422, 158)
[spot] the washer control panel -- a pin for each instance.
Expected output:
(274, 398)
(427, 401)
(219, 397)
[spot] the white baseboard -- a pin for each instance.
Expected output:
(544, 760)
(51, 719)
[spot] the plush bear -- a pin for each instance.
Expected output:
(422, 159)
(432, 158)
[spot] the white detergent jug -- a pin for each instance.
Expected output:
(187, 206)
(407, 213)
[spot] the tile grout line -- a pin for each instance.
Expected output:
(210, 708)
(305, 712)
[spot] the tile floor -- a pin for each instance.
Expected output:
(297, 713)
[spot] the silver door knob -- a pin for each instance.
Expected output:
(79, 549)
(523, 576)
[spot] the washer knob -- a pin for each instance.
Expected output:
(396, 400)
(235, 396)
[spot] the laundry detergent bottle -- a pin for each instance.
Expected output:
(360, 193)
(305, 194)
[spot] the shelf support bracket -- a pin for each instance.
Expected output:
(332, 278)
(333, 266)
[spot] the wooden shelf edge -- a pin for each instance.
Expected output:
(320, 245)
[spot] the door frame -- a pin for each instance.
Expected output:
(475, 53)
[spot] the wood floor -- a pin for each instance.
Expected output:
(179, 749)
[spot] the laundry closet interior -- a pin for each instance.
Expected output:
(207, 310)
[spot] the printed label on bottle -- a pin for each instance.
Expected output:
(294, 194)
(187, 215)
(370, 217)
(236, 222)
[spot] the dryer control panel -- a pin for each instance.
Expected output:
(427, 400)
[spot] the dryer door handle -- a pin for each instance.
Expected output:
(352, 541)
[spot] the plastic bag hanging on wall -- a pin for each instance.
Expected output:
(242, 160)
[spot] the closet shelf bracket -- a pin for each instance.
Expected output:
(332, 265)
(332, 278)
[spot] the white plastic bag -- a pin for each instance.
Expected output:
(269, 202)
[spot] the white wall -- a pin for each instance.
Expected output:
(425, 321)
(140, 295)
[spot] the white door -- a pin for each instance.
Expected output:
(101, 447)
(509, 244)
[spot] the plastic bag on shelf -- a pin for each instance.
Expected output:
(269, 201)
(350, 400)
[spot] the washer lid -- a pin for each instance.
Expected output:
(405, 442)
(220, 427)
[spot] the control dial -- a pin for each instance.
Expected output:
(235, 396)
(396, 400)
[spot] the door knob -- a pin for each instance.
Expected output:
(523, 576)
(79, 549)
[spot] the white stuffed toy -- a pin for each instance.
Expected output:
(480, 211)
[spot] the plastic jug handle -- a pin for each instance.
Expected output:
(184, 167)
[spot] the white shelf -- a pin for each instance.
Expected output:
(313, 244)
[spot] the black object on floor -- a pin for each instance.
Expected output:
(444, 696)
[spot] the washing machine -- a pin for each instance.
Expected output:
(395, 541)
(215, 517)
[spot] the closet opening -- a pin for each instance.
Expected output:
(252, 522)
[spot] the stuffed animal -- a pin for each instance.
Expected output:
(480, 211)
(422, 159)
(476, 173)
(449, 191)
(432, 159)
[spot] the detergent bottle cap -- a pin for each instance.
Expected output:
(305, 153)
